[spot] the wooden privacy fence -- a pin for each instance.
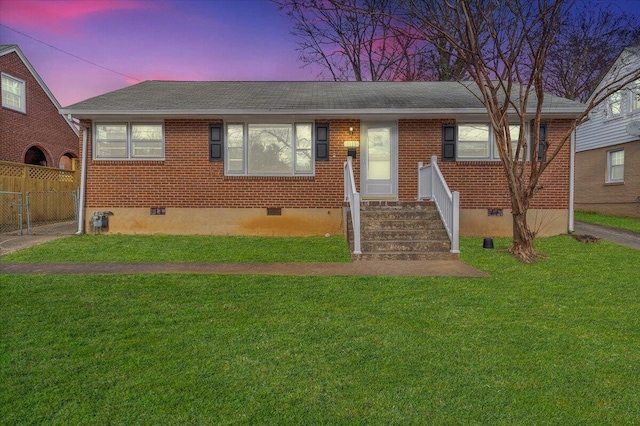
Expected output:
(50, 188)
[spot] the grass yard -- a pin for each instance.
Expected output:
(628, 223)
(191, 248)
(551, 343)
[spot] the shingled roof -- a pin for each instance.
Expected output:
(281, 97)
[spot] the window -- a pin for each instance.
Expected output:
(473, 141)
(514, 133)
(635, 96)
(478, 142)
(146, 141)
(13, 93)
(124, 141)
(614, 104)
(269, 149)
(615, 166)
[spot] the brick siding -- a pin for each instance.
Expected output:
(482, 184)
(594, 194)
(186, 178)
(42, 126)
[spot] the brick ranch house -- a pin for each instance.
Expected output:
(32, 131)
(268, 158)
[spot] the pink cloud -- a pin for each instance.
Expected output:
(56, 15)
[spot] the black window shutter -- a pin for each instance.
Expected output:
(542, 145)
(216, 148)
(448, 143)
(322, 142)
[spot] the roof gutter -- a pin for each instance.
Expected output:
(572, 158)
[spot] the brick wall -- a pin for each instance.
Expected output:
(482, 184)
(42, 126)
(186, 178)
(593, 193)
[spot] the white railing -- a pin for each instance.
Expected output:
(431, 185)
(353, 197)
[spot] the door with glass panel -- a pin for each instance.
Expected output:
(379, 161)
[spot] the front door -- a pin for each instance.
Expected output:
(379, 161)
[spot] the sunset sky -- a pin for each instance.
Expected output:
(155, 39)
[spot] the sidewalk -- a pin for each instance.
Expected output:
(429, 268)
(618, 236)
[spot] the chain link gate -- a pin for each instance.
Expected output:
(11, 212)
(52, 212)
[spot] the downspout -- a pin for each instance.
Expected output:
(83, 181)
(572, 159)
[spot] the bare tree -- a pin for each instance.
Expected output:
(354, 39)
(505, 46)
(590, 39)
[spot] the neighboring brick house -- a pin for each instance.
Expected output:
(608, 150)
(32, 130)
(215, 157)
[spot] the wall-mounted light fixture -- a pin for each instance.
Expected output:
(350, 131)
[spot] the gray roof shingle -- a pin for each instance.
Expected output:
(233, 97)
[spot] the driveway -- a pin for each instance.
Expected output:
(618, 236)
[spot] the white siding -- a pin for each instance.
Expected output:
(599, 133)
(602, 131)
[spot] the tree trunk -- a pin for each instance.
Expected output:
(522, 246)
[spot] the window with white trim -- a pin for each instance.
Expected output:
(13, 93)
(615, 166)
(269, 149)
(614, 104)
(635, 96)
(478, 142)
(129, 141)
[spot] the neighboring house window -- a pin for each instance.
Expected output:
(635, 96)
(13, 93)
(123, 141)
(478, 142)
(615, 166)
(269, 149)
(614, 104)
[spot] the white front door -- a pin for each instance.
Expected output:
(379, 161)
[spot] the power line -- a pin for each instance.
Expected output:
(70, 54)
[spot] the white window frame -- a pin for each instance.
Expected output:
(610, 166)
(494, 154)
(243, 170)
(130, 155)
(619, 100)
(23, 97)
(635, 96)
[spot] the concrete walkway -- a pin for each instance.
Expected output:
(618, 236)
(430, 268)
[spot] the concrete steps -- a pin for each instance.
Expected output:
(401, 231)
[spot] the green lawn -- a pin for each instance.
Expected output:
(628, 223)
(192, 248)
(551, 343)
